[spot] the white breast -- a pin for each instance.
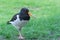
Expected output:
(18, 23)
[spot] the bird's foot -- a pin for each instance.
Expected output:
(21, 38)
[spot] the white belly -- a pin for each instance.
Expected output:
(18, 24)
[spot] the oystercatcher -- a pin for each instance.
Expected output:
(20, 19)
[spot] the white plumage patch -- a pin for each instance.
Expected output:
(18, 23)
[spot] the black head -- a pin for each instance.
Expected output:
(24, 14)
(24, 10)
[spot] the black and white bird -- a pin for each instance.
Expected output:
(20, 19)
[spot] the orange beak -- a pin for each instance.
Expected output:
(30, 14)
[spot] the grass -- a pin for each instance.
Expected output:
(46, 25)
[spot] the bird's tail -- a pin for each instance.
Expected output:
(8, 22)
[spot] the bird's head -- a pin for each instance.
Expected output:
(25, 11)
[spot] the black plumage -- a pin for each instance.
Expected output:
(19, 19)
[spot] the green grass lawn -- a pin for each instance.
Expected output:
(46, 25)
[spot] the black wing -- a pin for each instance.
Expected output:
(13, 18)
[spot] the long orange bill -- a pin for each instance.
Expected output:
(30, 14)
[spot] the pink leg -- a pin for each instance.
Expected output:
(20, 37)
